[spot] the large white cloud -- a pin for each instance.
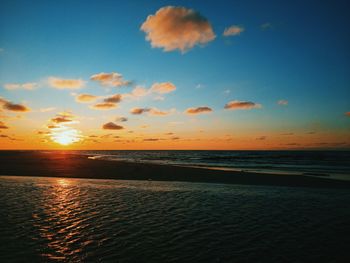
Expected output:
(180, 28)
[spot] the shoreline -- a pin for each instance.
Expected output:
(69, 165)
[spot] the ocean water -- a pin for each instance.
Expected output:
(332, 163)
(86, 220)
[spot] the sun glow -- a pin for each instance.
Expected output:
(66, 137)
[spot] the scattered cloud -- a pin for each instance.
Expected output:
(104, 106)
(282, 102)
(112, 126)
(8, 105)
(85, 98)
(112, 79)
(138, 111)
(241, 105)
(139, 91)
(266, 26)
(198, 110)
(52, 126)
(3, 126)
(47, 109)
(59, 83)
(233, 30)
(157, 112)
(180, 28)
(162, 88)
(121, 119)
(151, 139)
(61, 119)
(18, 86)
(261, 138)
(113, 99)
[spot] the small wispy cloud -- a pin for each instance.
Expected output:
(104, 106)
(59, 83)
(139, 111)
(3, 125)
(85, 98)
(121, 119)
(113, 98)
(21, 86)
(198, 110)
(241, 105)
(47, 109)
(162, 88)
(112, 79)
(266, 26)
(233, 30)
(112, 126)
(8, 105)
(282, 102)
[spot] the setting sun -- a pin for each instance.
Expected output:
(66, 137)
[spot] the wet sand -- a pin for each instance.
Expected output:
(65, 164)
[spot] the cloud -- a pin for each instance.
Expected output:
(261, 138)
(233, 30)
(112, 126)
(17, 86)
(59, 83)
(241, 105)
(138, 111)
(85, 98)
(139, 91)
(177, 28)
(266, 26)
(198, 110)
(157, 112)
(162, 88)
(110, 79)
(151, 111)
(104, 106)
(61, 118)
(282, 102)
(121, 119)
(51, 126)
(151, 140)
(7, 105)
(47, 109)
(113, 99)
(3, 126)
(347, 113)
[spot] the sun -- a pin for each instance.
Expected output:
(66, 137)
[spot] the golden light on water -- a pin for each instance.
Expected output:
(66, 136)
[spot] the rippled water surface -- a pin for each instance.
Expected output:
(53, 219)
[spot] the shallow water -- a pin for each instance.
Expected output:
(56, 219)
(331, 163)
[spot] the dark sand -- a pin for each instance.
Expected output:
(65, 164)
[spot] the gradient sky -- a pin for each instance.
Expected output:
(282, 70)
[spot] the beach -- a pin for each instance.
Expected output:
(66, 164)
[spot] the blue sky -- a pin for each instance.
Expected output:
(301, 56)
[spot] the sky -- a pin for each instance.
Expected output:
(220, 75)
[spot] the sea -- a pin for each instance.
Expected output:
(334, 164)
(89, 220)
